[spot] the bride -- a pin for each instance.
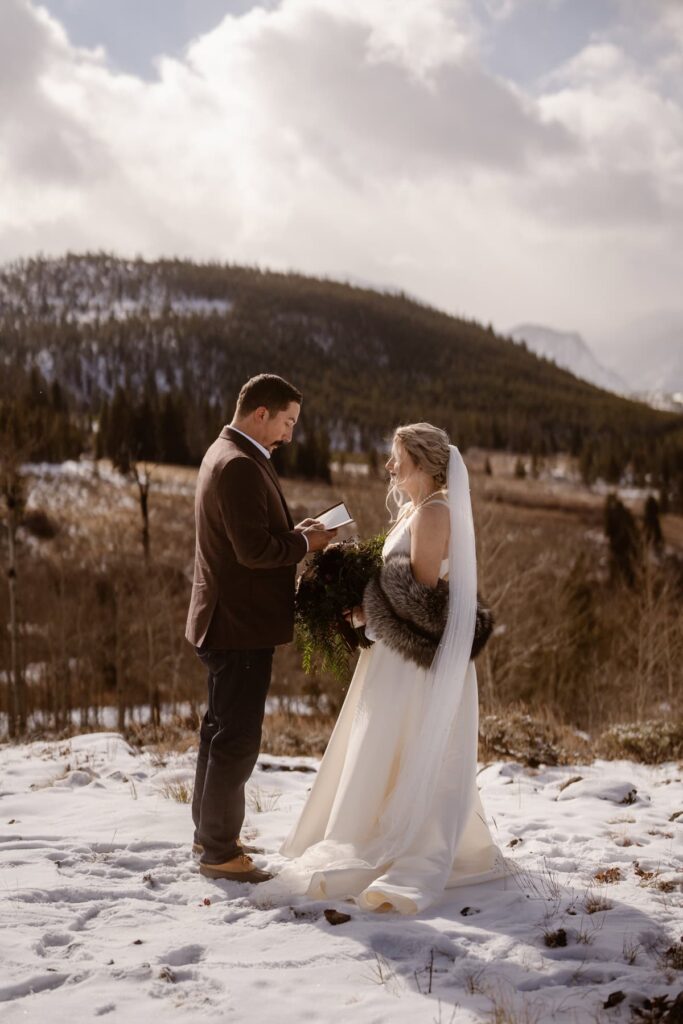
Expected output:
(394, 816)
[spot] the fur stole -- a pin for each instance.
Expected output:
(410, 617)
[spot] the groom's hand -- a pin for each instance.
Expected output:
(305, 523)
(318, 537)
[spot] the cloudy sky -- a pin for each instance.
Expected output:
(510, 160)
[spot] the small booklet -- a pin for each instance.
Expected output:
(335, 516)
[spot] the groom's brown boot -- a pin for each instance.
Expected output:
(239, 869)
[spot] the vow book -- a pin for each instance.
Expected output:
(335, 516)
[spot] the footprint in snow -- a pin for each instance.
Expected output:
(191, 954)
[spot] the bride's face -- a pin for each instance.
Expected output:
(402, 469)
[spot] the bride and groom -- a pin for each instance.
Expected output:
(394, 816)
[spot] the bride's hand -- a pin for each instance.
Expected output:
(355, 616)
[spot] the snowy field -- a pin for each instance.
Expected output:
(105, 915)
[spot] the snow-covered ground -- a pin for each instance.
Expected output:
(105, 914)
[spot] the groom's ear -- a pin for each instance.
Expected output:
(261, 413)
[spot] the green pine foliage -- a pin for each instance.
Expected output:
(652, 529)
(621, 531)
(334, 581)
(36, 419)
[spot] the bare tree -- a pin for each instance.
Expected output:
(143, 479)
(13, 496)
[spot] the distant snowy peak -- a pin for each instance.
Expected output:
(570, 351)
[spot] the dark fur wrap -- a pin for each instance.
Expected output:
(410, 617)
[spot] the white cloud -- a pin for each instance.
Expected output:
(630, 168)
(354, 137)
(41, 141)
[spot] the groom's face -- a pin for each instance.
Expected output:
(279, 426)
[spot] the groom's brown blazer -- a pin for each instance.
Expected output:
(246, 551)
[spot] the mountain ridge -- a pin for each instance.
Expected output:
(123, 337)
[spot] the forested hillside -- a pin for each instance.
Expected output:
(153, 354)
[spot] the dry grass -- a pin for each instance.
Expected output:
(474, 982)
(569, 652)
(596, 904)
(533, 740)
(673, 957)
(382, 973)
(509, 1008)
(608, 876)
(288, 735)
(653, 879)
(651, 741)
(556, 939)
(630, 949)
(179, 791)
(174, 736)
(261, 801)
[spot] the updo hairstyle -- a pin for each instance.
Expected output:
(428, 447)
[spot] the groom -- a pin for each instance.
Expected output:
(242, 606)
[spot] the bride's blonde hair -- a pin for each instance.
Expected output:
(428, 447)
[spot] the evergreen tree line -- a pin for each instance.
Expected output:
(151, 429)
(161, 381)
(37, 420)
(155, 429)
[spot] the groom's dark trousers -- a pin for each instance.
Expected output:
(242, 607)
(231, 740)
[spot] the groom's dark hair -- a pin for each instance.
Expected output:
(269, 390)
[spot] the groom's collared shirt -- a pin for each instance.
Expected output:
(264, 451)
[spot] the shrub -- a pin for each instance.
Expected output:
(39, 524)
(519, 736)
(650, 742)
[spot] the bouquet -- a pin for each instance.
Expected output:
(332, 583)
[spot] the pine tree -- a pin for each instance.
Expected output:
(118, 441)
(144, 431)
(651, 525)
(322, 468)
(587, 463)
(624, 541)
(173, 441)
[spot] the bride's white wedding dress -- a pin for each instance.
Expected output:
(334, 845)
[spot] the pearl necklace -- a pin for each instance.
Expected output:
(407, 511)
(439, 490)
